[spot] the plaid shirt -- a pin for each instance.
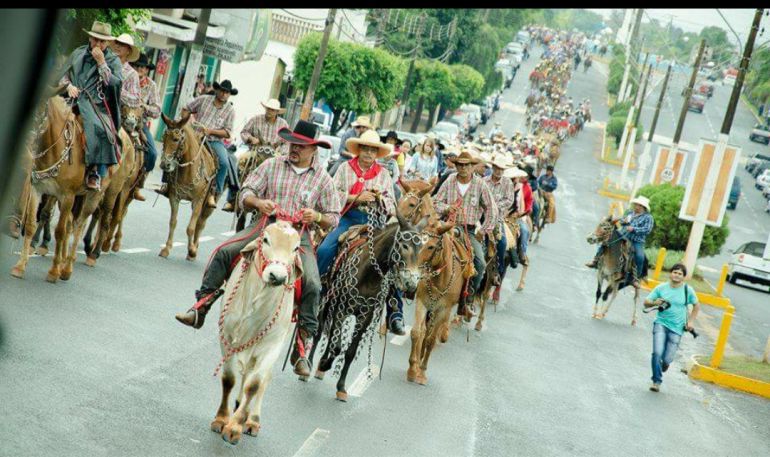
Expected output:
(642, 224)
(477, 196)
(149, 94)
(258, 127)
(276, 180)
(210, 116)
(346, 177)
(130, 94)
(503, 193)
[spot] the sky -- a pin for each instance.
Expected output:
(693, 20)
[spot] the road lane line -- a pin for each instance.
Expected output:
(205, 238)
(399, 340)
(363, 382)
(708, 269)
(134, 250)
(176, 243)
(228, 234)
(313, 443)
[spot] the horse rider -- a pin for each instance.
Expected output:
(93, 78)
(467, 198)
(262, 130)
(547, 183)
(495, 130)
(523, 209)
(360, 182)
(151, 104)
(503, 193)
(638, 223)
(357, 128)
(296, 185)
(217, 115)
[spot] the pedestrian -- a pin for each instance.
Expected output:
(672, 299)
(424, 164)
(151, 105)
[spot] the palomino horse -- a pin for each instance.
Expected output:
(616, 264)
(190, 168)
(58, 169)
(361, 286)
(255, 321)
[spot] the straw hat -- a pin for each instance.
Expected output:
(274, 104)
(128, 40)
(465, 156)
(362, 121)
(644, 201)
(514, 173)
(369, 138)
(501, 161)
(101, 31)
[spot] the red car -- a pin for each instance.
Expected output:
(697, 102)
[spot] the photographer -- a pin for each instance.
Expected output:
(671, 300)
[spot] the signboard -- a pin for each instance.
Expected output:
(709, 185)
(668, 167)
(246, 34)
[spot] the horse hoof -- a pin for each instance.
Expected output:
(42, 251)
(218, 424)
(52, 278)
(65, 275)
(633, 323)
(231, 434)
(444, 336)
(320, 374)
(17, 272)
(163, 253)
(519, 289)
(251, 428)
(422, 380)
(116, 246)
(105, 247)
(91, 261)
(303, 378)
(342, 396)
(478, 326)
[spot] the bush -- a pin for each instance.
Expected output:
(672, 257)
(624, 107)
(670, 231)
(613, 84)
(615, 127)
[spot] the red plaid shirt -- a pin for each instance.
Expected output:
(129, 92)
(259, 127)
(503, 193)
(346, 177)
(276, 180)
(210, 116)
(477, 201)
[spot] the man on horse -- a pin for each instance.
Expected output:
(638, 223)
(151, 104)
(523, 203)
(465, 198)
(291, 187)
(548, 183)
(93, 78)
(360, 183)
(503, 192)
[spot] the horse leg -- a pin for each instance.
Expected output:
(598, 295)
(116, 221)
(88, 244)
(636, 302)
(430, 342)
(204, 216)
(418, 334)
(192, 248)
(90, 202)
(612, 299)
(333, 345)
(29, 223)
(252, 425)
(523, 277)
(350, 354)
(171, 226)
(45, 210)
(234, 429)
(483, 309)
(62, 233)
(223, 413)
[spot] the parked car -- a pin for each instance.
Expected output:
(487, 106)
(748, 264)
(448, 130)
(461, 121)
(759, 169)
(729, 80)
(706, 88)
(523, 37)
(735, 193)
(322, 119)
(474, 115)
(329, 156)
(766, 191)
(763, 179)
(697, 102)
(755, 160)
(760, 133)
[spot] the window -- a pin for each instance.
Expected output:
(754, 248)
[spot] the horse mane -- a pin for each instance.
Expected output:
(58, 109)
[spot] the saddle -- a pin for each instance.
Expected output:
(356, 236)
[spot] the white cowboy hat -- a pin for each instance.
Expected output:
(486, 157)
(369, 138)
(362, 121)
(274, 104)
(501, 161)
(643, 201)
(514, 173)
(128, 40)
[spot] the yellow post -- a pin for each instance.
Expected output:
(606, 184)
(722, 279)
(659, 263)
(719, 349)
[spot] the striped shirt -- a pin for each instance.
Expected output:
(130, 95)
(210, 115)
(258, 127)
(642, 224)
(503, 193)
(477, 201)
(149, 94)
(276, 180)
(346, 177)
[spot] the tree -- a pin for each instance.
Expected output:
(122, 20)
(431, 80)
(717, 41)
(468, 82)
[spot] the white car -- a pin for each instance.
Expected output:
(447, 128)
(729, 80)
(327, 155)
(763, 180)
(748, 264)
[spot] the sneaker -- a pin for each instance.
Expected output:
(211, 202)
(655, 387)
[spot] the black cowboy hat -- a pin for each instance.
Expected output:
(391, 134)
(226, 86)
(304, 133)
(143, 61)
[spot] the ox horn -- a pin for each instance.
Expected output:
(167, 120)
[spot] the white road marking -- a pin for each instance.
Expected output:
(363, 382)
(228, 234)
(134, 250)
(399, 340)
(313, 443)
(205, 238)
(176, 243)
(708, 269)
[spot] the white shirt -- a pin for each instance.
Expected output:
(299, 170)
(463, 187)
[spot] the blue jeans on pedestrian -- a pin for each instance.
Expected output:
(327, 251)
(523, 236)
(150, 153)
(101, 169)
(501, 253)
(638, 247)
(221, 152)
(665, 342)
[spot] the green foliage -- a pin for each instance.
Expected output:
(621, 108)
(716, 39)
(668, 40)
(757, 83)
(583, 20)
(69, 32)
(672, 257)
(615, 126)
(670, 231)
(431, 80)
(468, 83)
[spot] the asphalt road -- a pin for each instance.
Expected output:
(99, 366)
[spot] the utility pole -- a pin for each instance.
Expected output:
(412, 58)
(193, 62)
(698, 226)
(638, 102)
(629, 117)
(646, 157)
(635, 31)
(319, 62)
(687, 95)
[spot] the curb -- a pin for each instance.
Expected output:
(609, 194)
(729, 380)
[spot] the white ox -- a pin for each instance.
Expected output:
(256, 319)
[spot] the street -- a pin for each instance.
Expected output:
(98, 365)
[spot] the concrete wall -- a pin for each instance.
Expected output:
(256, 82)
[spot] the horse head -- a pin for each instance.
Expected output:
(276, 254)
(407, 246)
(132, 118)
(603, 231)
(434, 245)
(415, 203)
(174, 143)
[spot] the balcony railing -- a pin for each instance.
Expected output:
(290, 30)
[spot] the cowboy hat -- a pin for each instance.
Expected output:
(501, 161)
(486, 158)
(128, 40)
(514, 173)
(362, 121)
(226, 86)
(100, 31)
(273, 104)
(643, 201)
(304, 133)
(368, 138)
(144, 61)
(391, 134)
(465, 156)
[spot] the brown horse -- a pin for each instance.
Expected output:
(190, 168)
(247, 163)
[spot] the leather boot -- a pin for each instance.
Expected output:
(139, 185)
(211, 201)
(195, 316)
(229, 207)
(299, 354)
(397, 327)
(163, 190)
(593, 263)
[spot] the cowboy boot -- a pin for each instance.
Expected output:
(140, 185)
(163, 187)
(195, 316)
(211, 201)
(302, 346)
(229, 207)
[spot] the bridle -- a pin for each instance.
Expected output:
(177, 156)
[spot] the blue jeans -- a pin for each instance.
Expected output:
(639, 258)
(501, 253)
(327, 251)
(478, 263)
(523, 236)
(535, 210)
(101, 169)
(219, 149)
(664, 345)
(151, 153)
